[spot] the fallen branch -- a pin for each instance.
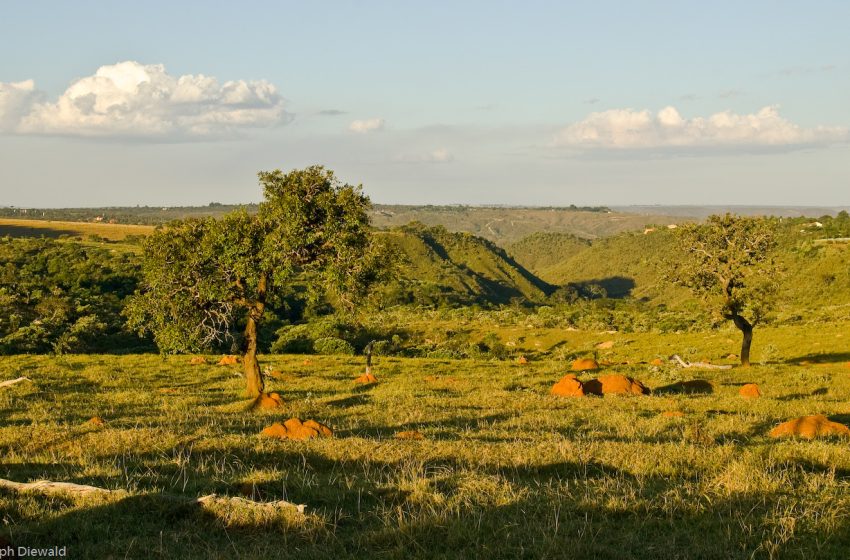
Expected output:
(13, 381)
(702, 365)
(48, 487)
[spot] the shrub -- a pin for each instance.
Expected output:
(333, 346)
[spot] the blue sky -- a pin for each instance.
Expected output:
(108, 103)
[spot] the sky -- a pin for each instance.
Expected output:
(114, 103)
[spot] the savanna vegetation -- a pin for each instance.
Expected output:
(456, 448)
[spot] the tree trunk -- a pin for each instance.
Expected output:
(747, 330)
(250, 365)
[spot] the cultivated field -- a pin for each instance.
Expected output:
(504, 469)
(54, 229)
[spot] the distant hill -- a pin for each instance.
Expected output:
(500, 224)
(443, 267)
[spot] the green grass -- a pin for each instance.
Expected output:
(505, 471)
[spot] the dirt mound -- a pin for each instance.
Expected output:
(615, 385)
(96, 421)
(411, 434)
(366, 378)
(522, 360)
(750, 391)
(568, 386)
(607, 345)
(268, 401)
(307, 362)
(809, 427)
(296, 429)
(228, 361)
(657, 362)
(585, 364)
(673, 414)
(732, 357)
(197, 361)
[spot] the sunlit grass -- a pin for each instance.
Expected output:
(505, 469)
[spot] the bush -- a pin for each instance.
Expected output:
(333, 346)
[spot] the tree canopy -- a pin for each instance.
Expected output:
(203, 277)
(729, 262)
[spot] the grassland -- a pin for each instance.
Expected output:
(505, 469)
(54, 229)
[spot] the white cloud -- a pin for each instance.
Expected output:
(134, 100)
(367, 125)
(628, 129)
(16, 100)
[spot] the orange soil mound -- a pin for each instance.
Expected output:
(673, 413)
(268, 401)
(522, 360)
(809, 427)
(657, 362)
(732, 357)
(366, 378)
(296, 429)
(197, 360)
(750, 391)
(605, 345)
(585, 364)
(615, 385)
(568, 386)
(412, 434)
(96, 421)
(228, 361)
(307, 362)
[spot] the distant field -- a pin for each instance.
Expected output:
(505, 470)
(56, 229)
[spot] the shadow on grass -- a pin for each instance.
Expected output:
(569, 509)
(829, 358)
(692, 387)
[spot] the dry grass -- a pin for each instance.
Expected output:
(48, 228)
(504, 470)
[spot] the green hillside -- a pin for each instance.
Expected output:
(816, 274)
(442, 267)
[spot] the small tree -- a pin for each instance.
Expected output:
(728, 262)
(200, 275)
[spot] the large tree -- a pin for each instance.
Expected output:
(201, 276)
(729, 262)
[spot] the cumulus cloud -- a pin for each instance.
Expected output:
(135, 100)
(367, 125)
(628, 129)
(16, 100)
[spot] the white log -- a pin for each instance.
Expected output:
(13, 381)
(48, 487)
(702, 365)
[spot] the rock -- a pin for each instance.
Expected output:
(268, 401)
(228, 361)
(296, 429)
(608, 344)
(673, 414)
(411, 434)
(197, 360)
(522, 360)
(585, 364)
(750, 391)
(568, 386)
(809, 427)
(657, 362)
(366, 378)
(615, 385)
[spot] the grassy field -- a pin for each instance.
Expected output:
(54, 229)
(504, 470)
